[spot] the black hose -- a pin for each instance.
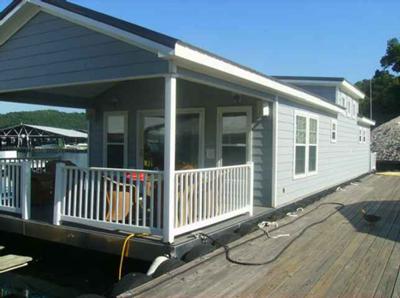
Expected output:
(227, 249)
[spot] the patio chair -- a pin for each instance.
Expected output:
(118, 196)
(186, 191)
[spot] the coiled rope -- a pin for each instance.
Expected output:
(227, 249)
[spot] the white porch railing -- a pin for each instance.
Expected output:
(117, 199)
(15, 178)
(206, 196)
(38, 165)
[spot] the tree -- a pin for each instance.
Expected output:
(385, 87)
(392, 57)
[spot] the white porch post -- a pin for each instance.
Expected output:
(58, 193)
(169, 158)
(25, 191)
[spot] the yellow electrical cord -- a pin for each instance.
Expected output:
(124, 252)
(388, 173)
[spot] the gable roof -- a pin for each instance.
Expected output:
(169, 48)
(103, 18)
(342, 83)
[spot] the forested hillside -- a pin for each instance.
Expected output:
(45, 117)
(385, 86)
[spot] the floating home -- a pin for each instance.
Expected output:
(180, 139)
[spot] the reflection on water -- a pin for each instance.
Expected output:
(59, 270)
(27, 286)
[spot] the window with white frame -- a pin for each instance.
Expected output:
(348, 107)
(364, 135)
(354, 109)
(306, 145)
(115, 142)
(333, 131)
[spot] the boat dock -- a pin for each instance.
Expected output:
(334, 252)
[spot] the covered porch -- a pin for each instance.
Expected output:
(168, 155)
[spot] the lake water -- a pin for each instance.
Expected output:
(59, 270)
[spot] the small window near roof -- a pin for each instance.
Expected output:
(360, 134)
(333, 131)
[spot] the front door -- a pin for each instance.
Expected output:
(234, 135)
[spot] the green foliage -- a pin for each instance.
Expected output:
(392, 57)
(385, 87)
(45, 117)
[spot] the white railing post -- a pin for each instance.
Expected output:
(169, 159)
(25, 191)
(251, 190)
(58, 193)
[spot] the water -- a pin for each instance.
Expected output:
(59, 270)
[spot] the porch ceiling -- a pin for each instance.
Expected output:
(77, 96)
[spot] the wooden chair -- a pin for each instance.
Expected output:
(120, 198)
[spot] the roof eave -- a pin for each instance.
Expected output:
(194, 55)
(352, 90)
(366, 121)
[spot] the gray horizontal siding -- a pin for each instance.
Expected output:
(327, 92)
(337, 162)
(51, 51)
(148, 94)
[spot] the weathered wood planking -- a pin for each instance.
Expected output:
(342, 256)
(12, 262)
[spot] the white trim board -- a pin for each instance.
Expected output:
(186, 53)
(366, 121)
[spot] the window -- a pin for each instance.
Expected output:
(354, 110)
(306, 145)
(115, 139)
(333, 131)
(188, 140)
(348, 107)
(364, 135)
(234, 127)
(360, 134)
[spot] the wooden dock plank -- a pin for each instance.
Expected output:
(11, 262)
(353, 276)
(325, 282)
(337, 257)
(388, 279)
(310, 254)
(318, 260)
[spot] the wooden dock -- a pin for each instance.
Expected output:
(342, 256)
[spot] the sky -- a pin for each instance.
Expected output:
(282, 37)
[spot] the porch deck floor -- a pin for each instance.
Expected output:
(341, 256)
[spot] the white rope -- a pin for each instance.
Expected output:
(295, 213)
(266, 224)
